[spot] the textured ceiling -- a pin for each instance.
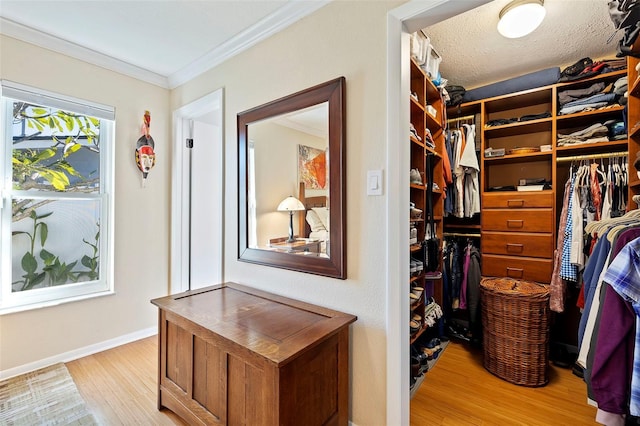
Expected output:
(474, 54)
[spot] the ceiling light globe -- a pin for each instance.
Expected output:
(520, 18)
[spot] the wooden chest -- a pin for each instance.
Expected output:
(232, 355)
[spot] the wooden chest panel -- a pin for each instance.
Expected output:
(521, 220)
(517, 244)
(524, 268)
(517, 200)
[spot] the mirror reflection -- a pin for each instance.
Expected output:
(291, 182)
(288, 183)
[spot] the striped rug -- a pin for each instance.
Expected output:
(43, 397)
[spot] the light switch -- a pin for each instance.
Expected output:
(374, 182)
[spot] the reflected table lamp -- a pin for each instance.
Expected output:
(290, 204)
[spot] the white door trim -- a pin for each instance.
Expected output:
(402, 21)
(180, 214)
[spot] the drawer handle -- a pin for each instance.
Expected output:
(515, 248)
(515, 272)
(515, 223)
(515, 203)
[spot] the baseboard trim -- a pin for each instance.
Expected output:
(79, 353)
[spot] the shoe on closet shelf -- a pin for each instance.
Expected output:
(414, 326)
(415, 177)
(419, 265)
(413, 268)
(417, 291)
(413, 132)
(413, 298)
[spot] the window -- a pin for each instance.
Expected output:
(57, 198)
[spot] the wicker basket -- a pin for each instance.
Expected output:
(515, 320)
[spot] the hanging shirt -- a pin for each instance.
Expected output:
(469, 161)
(624, 276)
(567, 270)
(458, 171)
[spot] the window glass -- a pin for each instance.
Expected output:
(55, 236)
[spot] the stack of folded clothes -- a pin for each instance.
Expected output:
(611, 130)
(586, 68)
(595, 133)
(596, 96)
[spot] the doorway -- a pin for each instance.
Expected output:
(197, 202)
(402, 21)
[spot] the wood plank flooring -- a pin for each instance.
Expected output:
(460, 391)
(120, 388)
(120, 385)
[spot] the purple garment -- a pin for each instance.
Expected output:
(613, 355)
(465, 271)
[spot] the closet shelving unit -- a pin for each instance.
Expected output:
(518, 228)
(421, 119)
(633, 124)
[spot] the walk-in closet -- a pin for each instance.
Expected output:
(524, 224)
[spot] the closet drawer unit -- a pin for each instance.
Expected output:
(517, 244)
(524, 268)
(517, 200)
(521, 220)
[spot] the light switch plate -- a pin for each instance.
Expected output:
(374, 182)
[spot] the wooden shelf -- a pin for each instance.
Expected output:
(415, 248)
(511, 158)
(635, 89)
(520, 127)
(635, 130)
(416, 141)
(585, 148)
(590, 114)
(417, 186)
(432, 151)
(416, 103)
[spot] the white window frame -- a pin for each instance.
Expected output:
(42, 297)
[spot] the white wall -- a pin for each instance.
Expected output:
(341, 39)
(141, 214)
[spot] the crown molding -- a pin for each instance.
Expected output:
(56, 44)
(265, 28)
(277, 21)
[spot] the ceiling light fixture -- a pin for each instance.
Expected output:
(521, 17)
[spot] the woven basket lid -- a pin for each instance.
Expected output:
(513, 286)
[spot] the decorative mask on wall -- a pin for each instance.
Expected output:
(145, 153)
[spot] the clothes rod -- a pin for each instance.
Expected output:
(458, 234)
(592, 156)
(464, 118)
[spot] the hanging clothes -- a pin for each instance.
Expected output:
(469, 163)
(609, 332)
(557, 287)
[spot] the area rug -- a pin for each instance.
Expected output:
(43, 397)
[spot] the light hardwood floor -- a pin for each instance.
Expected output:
(120, 387)
(459, 391)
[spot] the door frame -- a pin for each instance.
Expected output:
(402, 21)
(180, 186)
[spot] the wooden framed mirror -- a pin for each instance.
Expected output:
(291, 182)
